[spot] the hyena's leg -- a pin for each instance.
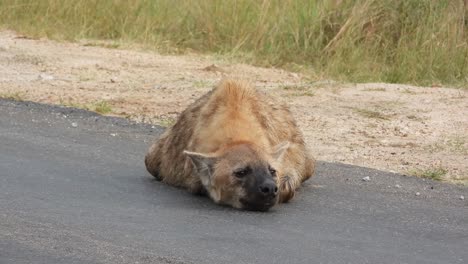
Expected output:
(298, 166)
(308, 168)
(153, 160)
(288, 184)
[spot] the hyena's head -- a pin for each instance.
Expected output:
(241, 175)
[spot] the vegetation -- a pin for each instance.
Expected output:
(436, 174)
(17, 96)
(371, 114)
(404, 41)
(101, 107)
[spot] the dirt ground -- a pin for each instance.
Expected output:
(411, 130)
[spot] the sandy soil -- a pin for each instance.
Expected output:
(400, 128)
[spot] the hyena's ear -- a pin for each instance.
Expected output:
(203, 164)
(279, 150)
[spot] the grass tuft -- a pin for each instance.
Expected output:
(102, 107)
(371, 114)
(17, 96)
(436, 174)
(166, 122)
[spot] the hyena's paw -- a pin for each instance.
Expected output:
(152, 169)
(287, 189)
(198, 190)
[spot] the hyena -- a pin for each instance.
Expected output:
(235, 144)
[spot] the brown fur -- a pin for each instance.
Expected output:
(237, 123)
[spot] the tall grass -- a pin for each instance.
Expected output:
(406, 41)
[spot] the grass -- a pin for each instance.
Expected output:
(370, 114)
(304, 93)
(374, 90)
(298, 90)
(432, 173)
(408, 91)
(396, 41)
(166, 122)
(454, 144)
(201, 84)
(29, 59)
(107, 45)
(101, 107)
(17, 96)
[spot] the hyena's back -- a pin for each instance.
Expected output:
(165, 159)
(234, 111)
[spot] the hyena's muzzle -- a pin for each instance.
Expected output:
(261, 191)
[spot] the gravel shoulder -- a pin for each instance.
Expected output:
(399, 128)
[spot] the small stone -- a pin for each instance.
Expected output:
(398, 186)
(462, 197)
(113, 134)
(45, 77)
(294, 75)
(367, 178)
(417, 194)
(74, 124)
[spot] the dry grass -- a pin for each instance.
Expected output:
(17, 96)
(371, 114)
(295, 90)
(413, 41)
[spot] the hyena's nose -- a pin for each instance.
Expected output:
(268, 189)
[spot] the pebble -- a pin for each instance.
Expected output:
(113, 134)
(462, 197)
(45, 77)
(367, 178)
(294, 75)
(417, 194)
(74, 124)
(398, 186)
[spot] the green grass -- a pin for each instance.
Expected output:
(432, 173)
(166, 122)
(101, 107)
(17, 96)
(397, 41)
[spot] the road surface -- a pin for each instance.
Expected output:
(74, 189)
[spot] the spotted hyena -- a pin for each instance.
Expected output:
(235, 144)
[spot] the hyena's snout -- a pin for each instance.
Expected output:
(261, 196)
(268, 189)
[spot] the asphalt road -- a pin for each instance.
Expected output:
(74, 189)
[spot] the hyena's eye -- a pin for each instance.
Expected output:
(240, 173)
(272, 171)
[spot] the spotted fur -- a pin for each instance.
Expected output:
(231, 125)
